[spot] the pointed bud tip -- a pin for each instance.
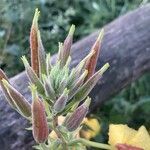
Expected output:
(72, 29)
(87, 102)
(101, 35)
(60, 46)
(33, 89)
(36, 14)
(25, 61)
(104, 68)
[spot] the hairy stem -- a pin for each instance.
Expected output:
(90, 143)
(59, 135)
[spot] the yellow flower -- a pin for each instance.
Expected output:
(94, 128)
(122, 134)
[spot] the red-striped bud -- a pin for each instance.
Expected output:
(127, 147)
(67, 46)
(91, 65)
(48, 88)
(19, 100)
(77, 85)
(76, 72)
(8, 97)
(41, 55)
(61, 101)
(32, 76)
(90, 83)
(34, 43)
(39, 122)
(74, 121)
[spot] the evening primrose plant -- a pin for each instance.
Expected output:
(60, 99)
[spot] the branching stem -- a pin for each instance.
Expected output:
(59, 135)
(90, 143)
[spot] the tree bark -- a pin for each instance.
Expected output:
(126, 46)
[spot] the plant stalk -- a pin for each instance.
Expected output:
(90, 143)
(59, 135)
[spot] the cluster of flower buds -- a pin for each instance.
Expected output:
(62, 89)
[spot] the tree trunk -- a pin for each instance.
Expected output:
(126, 46)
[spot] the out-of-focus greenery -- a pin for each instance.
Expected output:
(131, 105)
(56, 17)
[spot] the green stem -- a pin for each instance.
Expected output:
(43, 146)
(59, 135)
(90, 143)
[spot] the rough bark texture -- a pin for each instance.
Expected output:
(126, 46)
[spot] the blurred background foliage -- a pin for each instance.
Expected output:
(132, 105)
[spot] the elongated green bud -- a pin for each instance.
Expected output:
(41, 55)
(8, 97)
(91, 65)
(90, 83)
(39, 122)
(34, 43)
(62, 85)
(67, 45)
(48, 88)
(32, 76)
(61, 101)
(74, 121)
(79, 82)
(60, 51)
(82, 65)
(19, 100)
(75, 73)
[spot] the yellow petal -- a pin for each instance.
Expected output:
(141, 139)
(61, 120)
(94, 125)
(53, 135)
(120, 134)
(86, 134)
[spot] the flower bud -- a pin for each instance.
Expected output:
(79, 82)
(48, 88)
(41, 55)
(20, 102)
(39, 122)
(90, 83)
(76, 72)
(67, 46)
(76, 118)
(127, 147)
(82, 65)
(32, 76)
(61, 101)
(60, 45)
(91, 65)
(34, 43)
(8, 97)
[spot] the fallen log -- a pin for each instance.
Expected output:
(125, 46)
